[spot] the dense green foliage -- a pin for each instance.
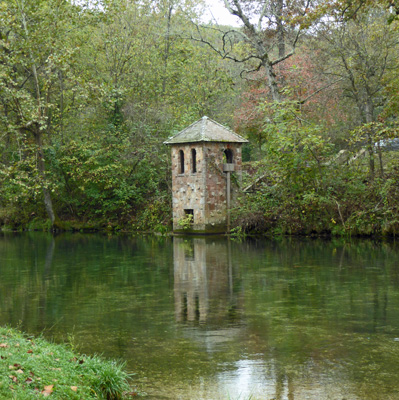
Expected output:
(90, 90)
(33, 365)
(305, 188)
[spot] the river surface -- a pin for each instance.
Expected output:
(209, 318)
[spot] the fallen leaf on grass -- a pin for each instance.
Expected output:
(74, 388)
(30, 351)
(74, 359)
(3, 345)
(28, 380)
(47, 390)
(13, 378)
(15, 366)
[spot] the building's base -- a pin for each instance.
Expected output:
(209, 229)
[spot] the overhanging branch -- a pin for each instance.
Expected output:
(303, 101)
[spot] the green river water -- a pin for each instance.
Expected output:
(210, 318)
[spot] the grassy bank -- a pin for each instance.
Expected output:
(32, 368)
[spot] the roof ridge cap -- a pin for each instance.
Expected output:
(205, 130)
(204, 120)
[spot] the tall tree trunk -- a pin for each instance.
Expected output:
(42, 172)
(167, 46)
(380, 159)
(369, 116)
(280, 37)
(271, 80)
(37, 131)
(61, 80)
(262, 51)
(370, 149)
(280, 29)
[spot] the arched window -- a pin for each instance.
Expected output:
(193, 161)
(181, 162)
(228, 156)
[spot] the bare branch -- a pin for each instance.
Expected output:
(291, 53)
(281, 59)
(262, 14)
(320, 90)
(224, 54)
(229, 9)
(249, 71)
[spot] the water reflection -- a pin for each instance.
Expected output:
(205, 318)
(203, 281)
(302, 320)
(46, 279)
(205, 294)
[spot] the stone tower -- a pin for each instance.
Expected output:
(204, 156)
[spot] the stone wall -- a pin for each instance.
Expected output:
(188, 189)
(203, 191)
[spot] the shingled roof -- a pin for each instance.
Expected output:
(205, 130)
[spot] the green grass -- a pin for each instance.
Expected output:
(32, 368)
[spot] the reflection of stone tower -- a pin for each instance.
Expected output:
(203, 157)
(203, 280)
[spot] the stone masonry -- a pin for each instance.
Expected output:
(198, 181)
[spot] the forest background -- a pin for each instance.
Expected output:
(89, 90)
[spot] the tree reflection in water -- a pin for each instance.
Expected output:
(207, 318)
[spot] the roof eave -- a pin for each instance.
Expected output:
(169, 143)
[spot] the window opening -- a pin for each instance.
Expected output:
(193, 161)
(189, 251)
(184, 310)
(197, 308)
(188, 213)
(181, 162)
(228, 156)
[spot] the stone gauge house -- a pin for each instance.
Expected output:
(206, 169)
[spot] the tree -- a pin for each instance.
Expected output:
(38, 46)
(319, 95)
(349, 9)
(362, 53)
(270, 35)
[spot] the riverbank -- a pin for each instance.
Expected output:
(338, 202)
(276, 199)
(32, 366)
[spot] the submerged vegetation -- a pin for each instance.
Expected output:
(89, 91)
(33, 366)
